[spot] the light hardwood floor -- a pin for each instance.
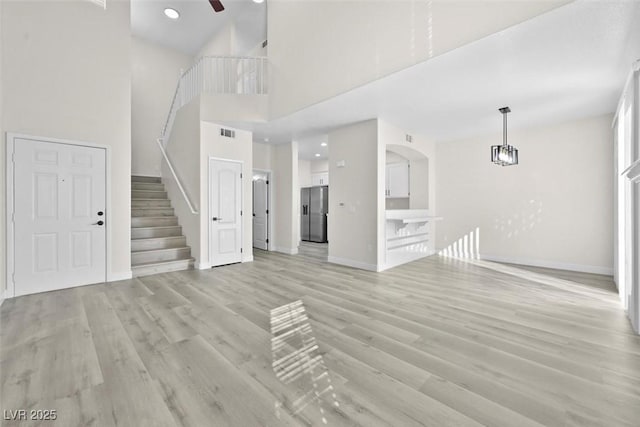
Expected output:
(437, 342)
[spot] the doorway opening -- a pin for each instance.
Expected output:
(261, 184)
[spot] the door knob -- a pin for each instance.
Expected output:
(100, 213)
(99, 223)
(215, 218)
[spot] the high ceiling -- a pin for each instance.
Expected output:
(198, 23)
(567, 64)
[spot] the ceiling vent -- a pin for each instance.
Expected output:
(408, 138)
(228, 133)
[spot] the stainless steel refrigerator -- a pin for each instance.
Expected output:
(314, 202)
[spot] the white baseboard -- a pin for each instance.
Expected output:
(352, 263)
(202, 265)
(1, 297)
(593, 269)
(288, 251)
(120, 275)
(248, 258)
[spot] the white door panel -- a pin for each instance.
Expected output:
(260, 215)
(225, 207)
(58, 191)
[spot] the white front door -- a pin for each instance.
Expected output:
(59, 215)
(260, 213)
(225, 212)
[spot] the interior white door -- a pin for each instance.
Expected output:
(225, 211)
(260, 213)
(59, 216)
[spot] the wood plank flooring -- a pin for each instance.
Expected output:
(438, 342)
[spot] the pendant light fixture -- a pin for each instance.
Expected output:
(504, 155)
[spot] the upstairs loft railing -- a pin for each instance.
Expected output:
(233, 75)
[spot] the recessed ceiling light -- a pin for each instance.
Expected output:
(324, 144)
(171, 13)
(258, 1)
(317, 154)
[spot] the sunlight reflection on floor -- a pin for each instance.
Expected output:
(296, 359)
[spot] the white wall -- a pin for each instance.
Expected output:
(223, 43)
(553, 209)
(356, 199)
(286, 195)
(239, 149)
(304, 173)
(318, 166)
(183, 149)
(66, 72)
(155, 71)
(344, 44)
(262, 156)
(257, 50)
(233, 108)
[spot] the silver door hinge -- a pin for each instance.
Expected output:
(240, 175)
(240, 213)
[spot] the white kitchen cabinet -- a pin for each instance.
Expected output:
(320, 178)
(397, 180)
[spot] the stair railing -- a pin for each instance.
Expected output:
(236, 75)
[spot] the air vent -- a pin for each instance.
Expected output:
(409, 138)
(264, 43)
(228, 133)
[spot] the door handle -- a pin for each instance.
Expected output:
(100, 213)
(99, 223)
(215, 218)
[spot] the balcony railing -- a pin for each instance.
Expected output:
(233, 75)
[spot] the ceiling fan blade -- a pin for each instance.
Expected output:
(216, 5)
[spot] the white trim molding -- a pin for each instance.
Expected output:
(593, 269)
(202, 265)
(288, 251)
(354, 264)
(120, 275)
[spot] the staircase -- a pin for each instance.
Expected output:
(157, 243)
